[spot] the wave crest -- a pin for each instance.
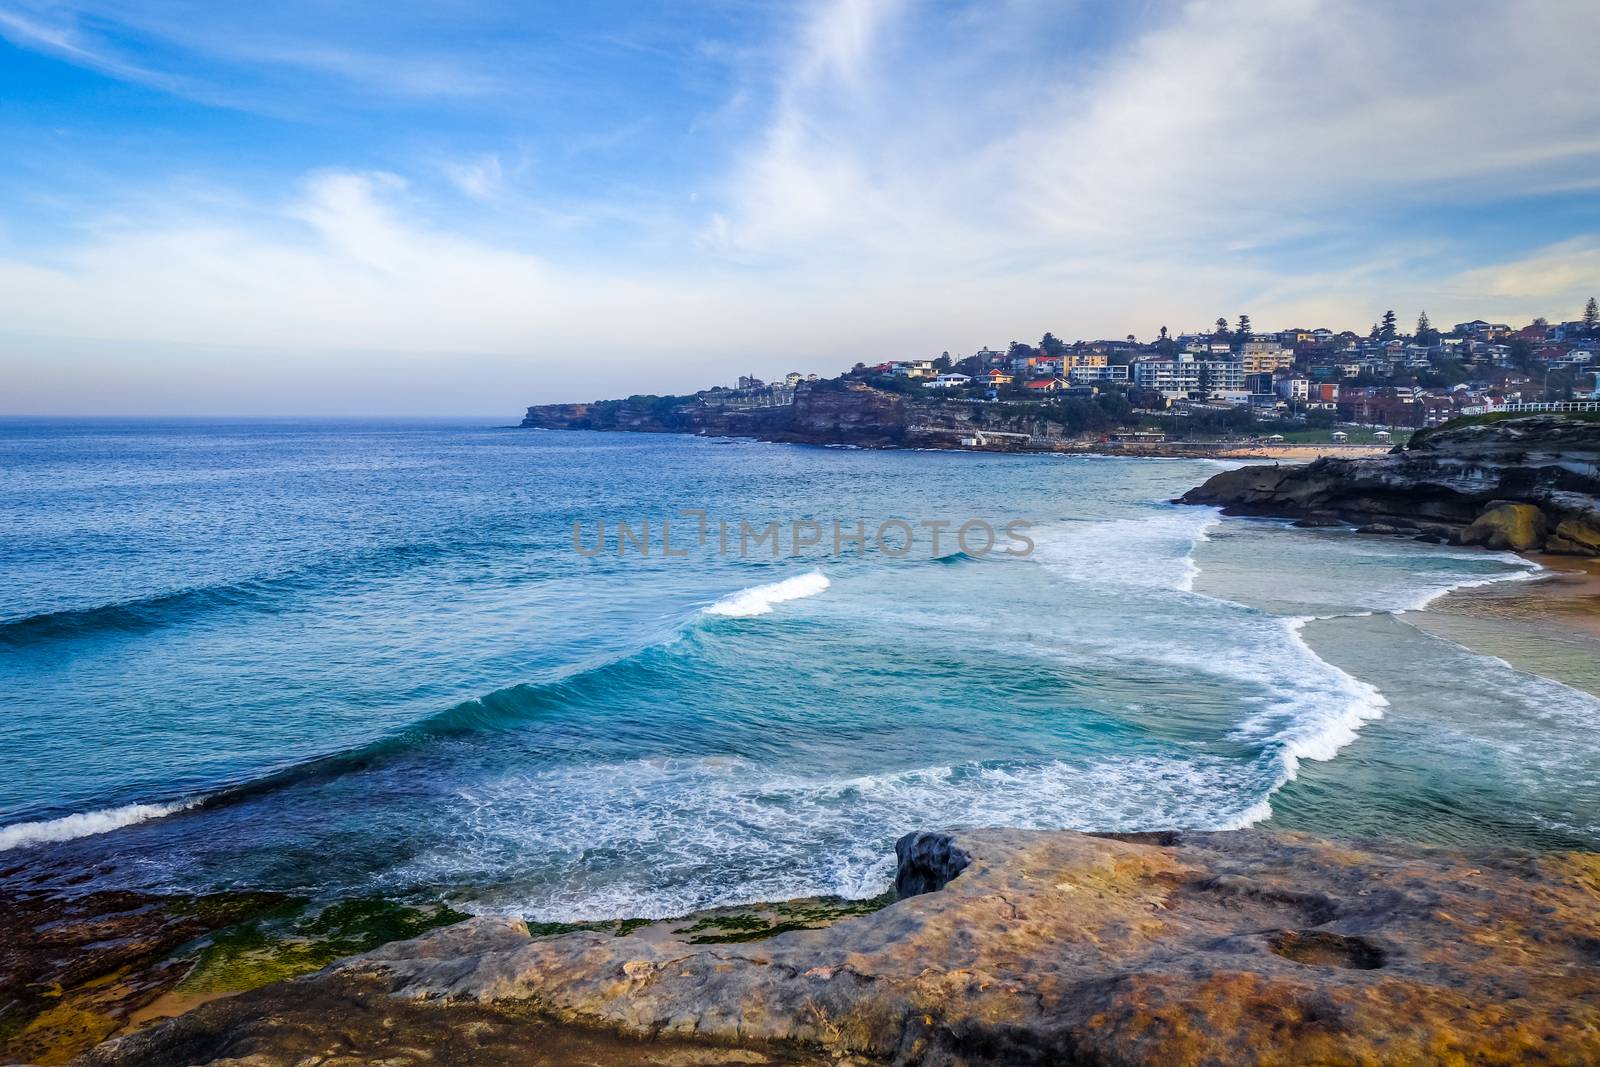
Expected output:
(84, 824)
(758, 599)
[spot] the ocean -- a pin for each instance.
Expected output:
(342, 657)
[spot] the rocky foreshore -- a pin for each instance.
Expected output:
(1526, 484)
(1006, 946)
(852, 414)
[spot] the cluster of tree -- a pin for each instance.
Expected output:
(894, 383)
(668, 410)
(1078, 415)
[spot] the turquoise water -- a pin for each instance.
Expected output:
(359, 656)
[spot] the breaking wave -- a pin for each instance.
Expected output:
(758, 599)
(84, 824)
(723, 830)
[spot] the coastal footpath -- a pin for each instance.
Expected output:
(997, 947)
(1529, 483)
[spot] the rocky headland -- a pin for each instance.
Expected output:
(827, 413)
(861, 416)
(1002, 947)
(1528, 483)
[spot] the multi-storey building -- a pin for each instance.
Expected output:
(1187, 378)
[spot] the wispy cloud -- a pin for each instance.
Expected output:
(480, 178)
(63, 39)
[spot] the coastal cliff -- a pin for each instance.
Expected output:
(828, 413)
(1005, 946)
(1521, 483)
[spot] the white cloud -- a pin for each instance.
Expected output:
(928, 179)
(1561, 277)
(1217, 120)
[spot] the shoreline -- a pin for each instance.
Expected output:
(1565, 593)
(1547, 626)
(1290, 452)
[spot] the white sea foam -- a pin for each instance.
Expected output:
(1154, 551)
(1192, 569)
(84, 824)
(1532, 571)
(663, 837)
(758, 599)
(1319, 731)
(1308, 708)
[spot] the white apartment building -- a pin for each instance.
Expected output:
(1082, 375)
(1182, 378)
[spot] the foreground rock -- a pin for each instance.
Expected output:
(1028, 947)
(1524, 483)
(78, 967)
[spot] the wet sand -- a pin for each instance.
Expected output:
(1549, 625)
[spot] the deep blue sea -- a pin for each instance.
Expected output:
(361, 656)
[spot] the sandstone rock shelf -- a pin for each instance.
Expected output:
(1523, 484)
(1242, 947)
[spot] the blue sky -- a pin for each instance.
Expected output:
(472, 206)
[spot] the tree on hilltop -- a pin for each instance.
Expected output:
(1243, 329)
(1591, 316)
(1388, 331)
(1222, 327)
(1520, 352)
(1426, 334)
(1051, 345)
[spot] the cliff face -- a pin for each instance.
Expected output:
(1520, 483)
(1014, 947)
(852, 414)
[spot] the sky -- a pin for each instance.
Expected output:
(309, 207)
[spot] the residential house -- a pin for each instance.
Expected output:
(1488, 331)
(913, 368)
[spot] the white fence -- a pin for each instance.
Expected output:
(1526, 408)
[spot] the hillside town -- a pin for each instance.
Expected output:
(1383, 378)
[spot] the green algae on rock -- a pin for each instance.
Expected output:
(78, 969)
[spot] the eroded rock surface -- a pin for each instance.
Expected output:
(1244, 947)
(1546, 468)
